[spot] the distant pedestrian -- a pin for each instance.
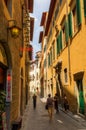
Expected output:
(66, 104)
(50, 106)
(56, 101)
(34, 101)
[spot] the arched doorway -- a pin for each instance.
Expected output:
(3, 70)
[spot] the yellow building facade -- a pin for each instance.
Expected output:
(66, 58)
(14, 56)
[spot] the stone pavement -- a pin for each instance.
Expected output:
(43, 117)
(78, 118)
(75, 117)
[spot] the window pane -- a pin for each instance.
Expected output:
(70, 24)
(60, 40)
(84, 7)
(78, 12)
(66, 31)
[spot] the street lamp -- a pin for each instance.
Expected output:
(12, 26)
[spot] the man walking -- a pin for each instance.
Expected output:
(50, 106)
(56, 100)
(34, 101)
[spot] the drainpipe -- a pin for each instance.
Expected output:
(69, 64)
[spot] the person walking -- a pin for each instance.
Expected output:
(56, 100)
(50, 106)
(66, 104)
(34, 101)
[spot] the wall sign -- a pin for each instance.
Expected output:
(9, 86)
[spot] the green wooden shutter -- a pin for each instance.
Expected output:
(78, 8)
(70, 24)
(84, 1)
(48, 60)
(44, 63)
(51, 55)
(53, 52)
(60, 40)
(58, 48)
(59, 43)
(66, 31)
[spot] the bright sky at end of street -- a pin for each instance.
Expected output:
(40, 6)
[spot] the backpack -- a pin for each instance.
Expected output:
(49, 101)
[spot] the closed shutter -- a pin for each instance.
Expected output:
(58, 47)
(44, 63)
(78, 12)
(66, 31)
(48, 60)
(60, 40)
(84, 1)
(51, 56)
(70, 24)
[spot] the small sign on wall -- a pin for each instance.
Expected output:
(9, 86)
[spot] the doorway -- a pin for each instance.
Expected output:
(80, 96)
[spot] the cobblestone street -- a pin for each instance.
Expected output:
(38, 119)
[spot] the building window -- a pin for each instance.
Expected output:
(53, 51)
(60, 1)
(48, 59)
(70, 24)
(6, 1)
(64, 32)
(56, 11)
(78, 8)
(58, 43)
(74, 16)
(8, 4)
(44, 63)
(37, 76)
(63, 37)
(65, 75)
(85, 8)
(51, 56)
(45, 48)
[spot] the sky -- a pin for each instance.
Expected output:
(40, 6)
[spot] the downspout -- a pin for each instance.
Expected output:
(69, 64)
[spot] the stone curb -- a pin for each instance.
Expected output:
(75, 117)
(69, 113)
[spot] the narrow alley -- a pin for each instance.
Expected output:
(38, 119)
(43, 52)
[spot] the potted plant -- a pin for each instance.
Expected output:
(2, 105)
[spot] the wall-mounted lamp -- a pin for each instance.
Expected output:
(12, 26)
